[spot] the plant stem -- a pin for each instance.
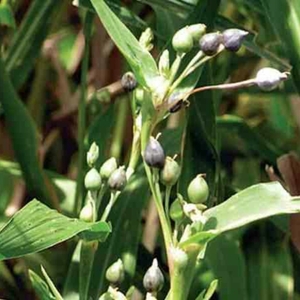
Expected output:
(51, 285)
(88, 22)
(225, 86)
(154, 186)
(136, 147)
(181, 279)
(118, 134)
(112, 200)
(167, 202)
(175, 66)
(195, 59)
(87, 255)
(102, 192)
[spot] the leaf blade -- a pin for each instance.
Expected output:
(254, 203)
(140, 60)
(36, 227)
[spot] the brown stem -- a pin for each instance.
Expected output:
(225, 86)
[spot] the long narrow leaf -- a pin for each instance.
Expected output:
(227, 262)
(140, 60)
(40, 286)
(287, 29)
(24, 136)
(28, 40)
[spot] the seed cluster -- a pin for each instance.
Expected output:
(231, 39)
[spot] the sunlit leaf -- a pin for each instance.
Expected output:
(36, 227)
(254, 203)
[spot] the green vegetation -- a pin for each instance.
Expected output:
(158, 140)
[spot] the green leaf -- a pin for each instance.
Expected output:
(211, 290)
(126, 223)
(100, 131)
(226, 260)
(173, 6)
(200, 155)
(51, 285)
(37, 227)
(123, 242)
(287, 29)
(167, 22)
(171, 140)
(127, 17)
(269, 264)
(7, 16)
(23, 135)
(71, 286)
(28, 39)
(40, 286)
(237, 126)
(64, 187)
(200, 238)
(7, 188)
(254, 203)
(95, 233)
(140, 60)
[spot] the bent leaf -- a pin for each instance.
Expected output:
(37, 227)
(254, 203)
(140, 60)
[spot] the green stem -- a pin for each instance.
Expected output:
(51, 285)
(87, 255)
(195, 59)
(113, 198)
(100, 196)
(198, 60)
(167, 202)
(154, 186)
(181, 279)
(118, 134)
(175, 233)
(136, 147)
(201, 62)
(88, 22)
(175, 66)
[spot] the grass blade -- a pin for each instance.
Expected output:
(28, 40)
(24, 137)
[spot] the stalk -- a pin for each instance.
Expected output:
(112, 201)
(181, 278)
(118, 133)
(88, 22)
(87, 255)
(167, 202)
(136, 147)
(154, 186)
